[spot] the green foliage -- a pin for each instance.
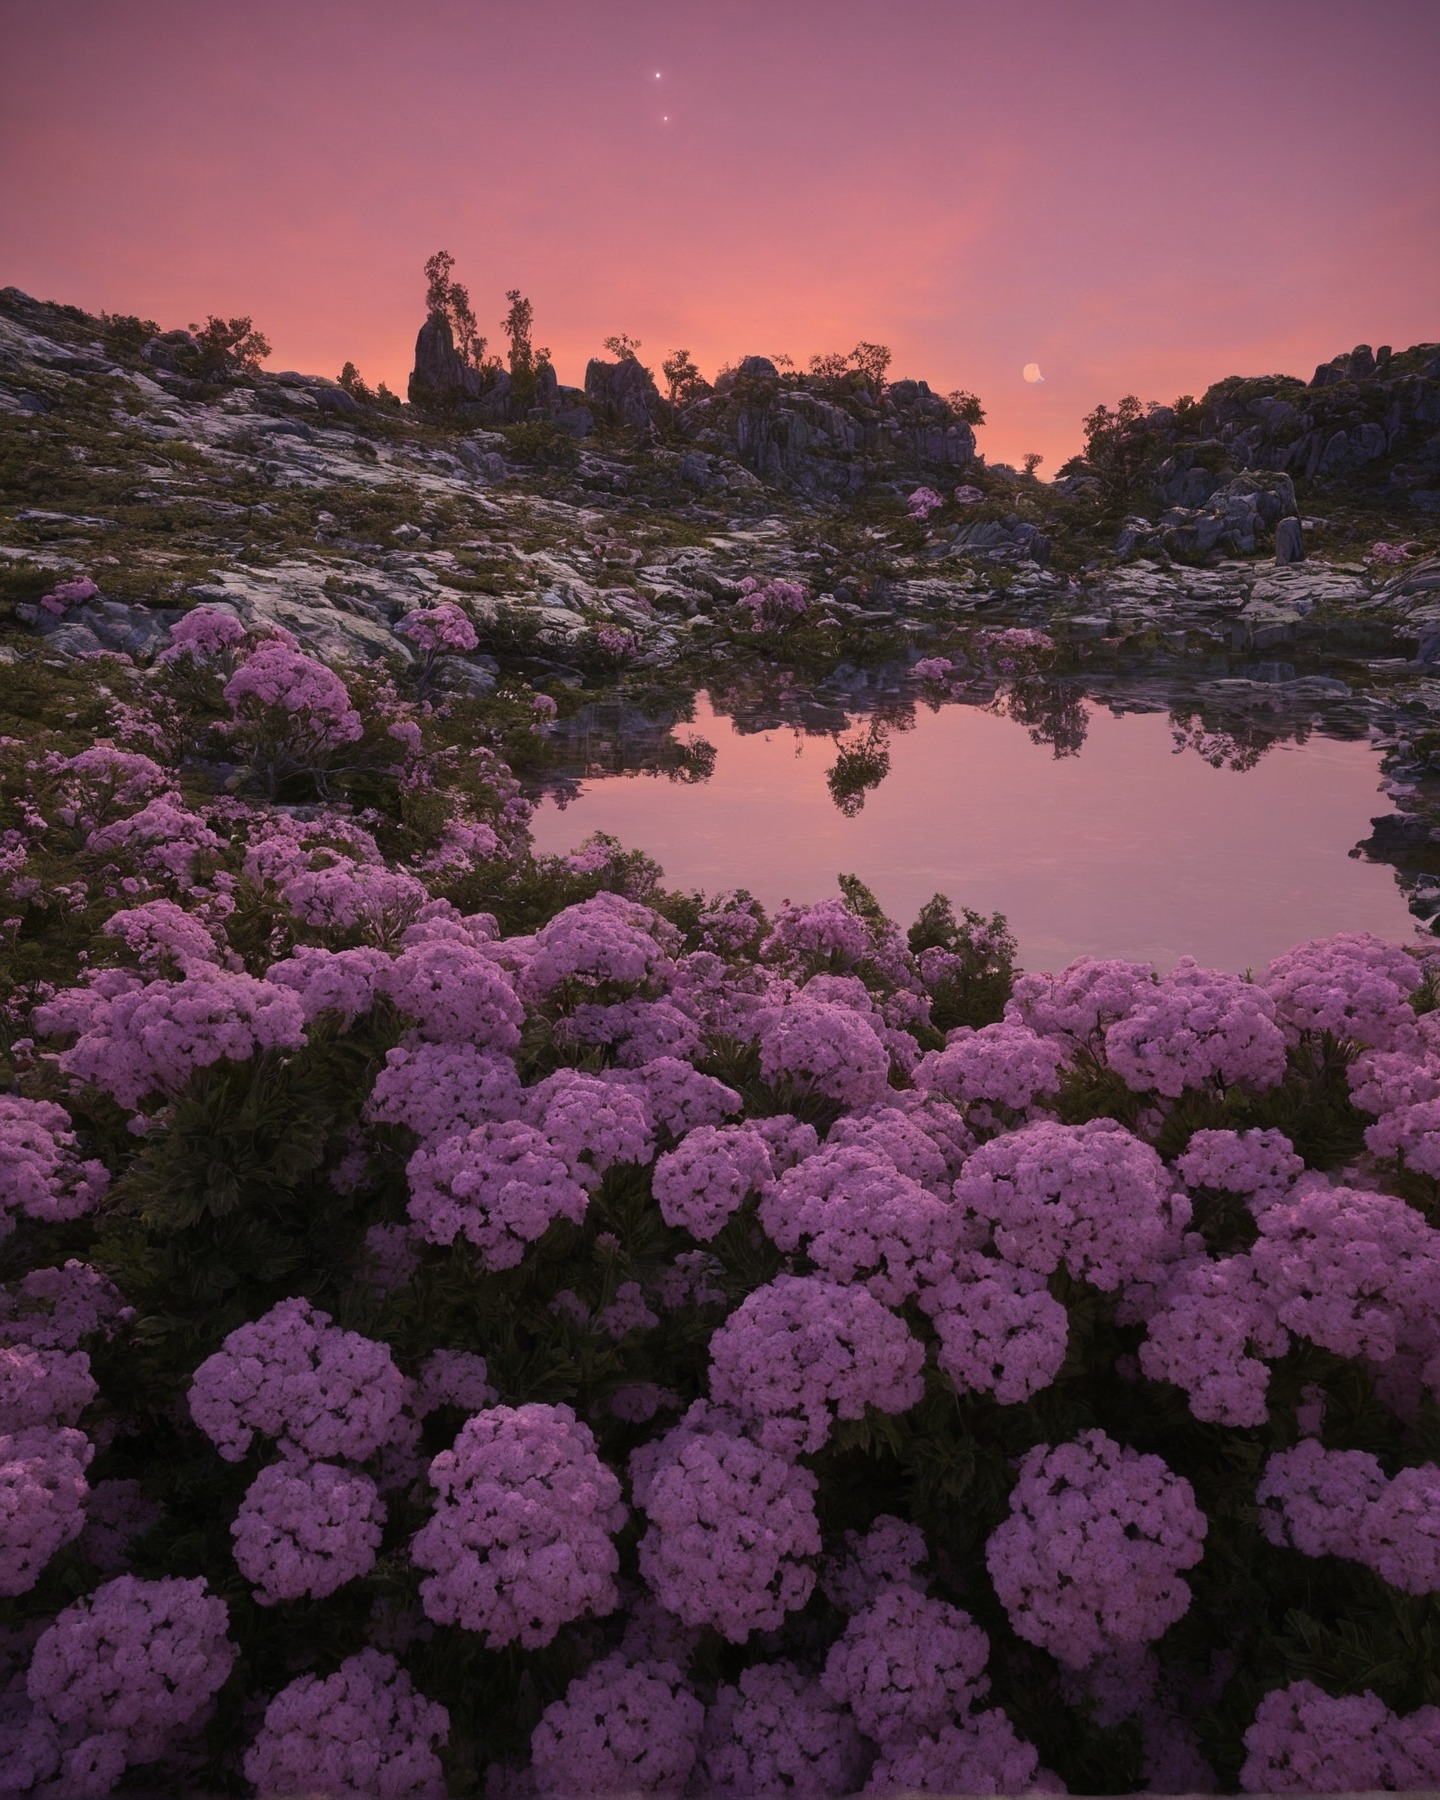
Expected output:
(542, 443)
(974, 991)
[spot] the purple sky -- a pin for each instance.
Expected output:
(1137, 196)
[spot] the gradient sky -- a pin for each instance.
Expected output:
(1139, 195)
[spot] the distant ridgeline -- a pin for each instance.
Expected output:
(823, 434)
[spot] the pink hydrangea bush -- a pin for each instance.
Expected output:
(1004, 1065)
(1198, 1028)
(622, 1728)
(816, 1047)
(985, 1755)
(999, 1329)
(906, 1665)
(134, 1664)
(41, 1176)
(152, 1040)
(1305, 1741)
(704, 1179)
(362, 1731)
(1091, 1554)
(306, 1528)
(1090, 1197)
(593, 1124)
(294, 1377)
(501, 1187)
(859, 1220)
(42, 1496)
(456, 995)
(444, 1090)
(802, 1352)
(776, 1731)
(1352, 985)
(732, 1533)
(1077, 1007)
(1341, 1503)
(522, 1537)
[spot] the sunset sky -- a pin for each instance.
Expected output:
(1137, 195)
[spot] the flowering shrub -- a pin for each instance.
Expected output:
(152, 1040)
(820, 1048)
(798, 1354)
(923, 502)
(131, 1664)
(1091, 1553)
(905, 1665)
(40, 1174)
(622, 1728)
(514, 1123)
(1352, 985)
(306, 1529)
(42, 1494)
(732, 1530)
(1197, 1027)
(500, 1186)
(702, 1181)
(1089, 1196)
(363, 1731)
(772, 605)
(778, 1732)
(520, 1542)
(295, 1377)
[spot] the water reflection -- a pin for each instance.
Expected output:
(1110, 844)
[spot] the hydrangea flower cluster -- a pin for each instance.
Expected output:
(906, 1665)
(1000, 1330)
(985, 1755)
(1006, 1065)
(151, 1041)
(40, 1174)
(500, 1187)
(858, 1219)
(456, 995)
(777, 1731)
(622, 1728)
(440, 627)
(362, 1731)
(801, 1352)
(732, 1535)
(1089, 1196)
(444, 1090)
(306, 1528)
(704, 1179)
(276, 677)
(1199, 1027)
(819, 1048)
(1091, 1554)
(1352, 985)
(593, 1124)
(1305, 1741)
(293, 1376)
(1341, 1503)
(521, 1540)
(42, 1496)
(131, 1665)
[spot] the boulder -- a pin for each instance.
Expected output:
(622, 393)
(1289, 541)
(440, 380)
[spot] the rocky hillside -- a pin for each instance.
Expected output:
(608, 530)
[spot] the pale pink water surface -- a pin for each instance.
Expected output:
(1124, 850)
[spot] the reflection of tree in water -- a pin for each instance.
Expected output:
(1233, 743)
(1051, 711)
(860, 765)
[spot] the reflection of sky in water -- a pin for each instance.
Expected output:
(1124, 850)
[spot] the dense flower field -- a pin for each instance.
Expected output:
(480, 1323)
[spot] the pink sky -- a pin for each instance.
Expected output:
(1138, 195)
